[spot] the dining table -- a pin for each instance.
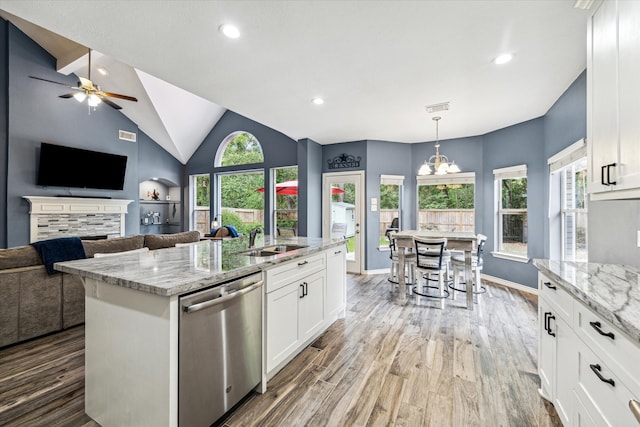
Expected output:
(456, 240)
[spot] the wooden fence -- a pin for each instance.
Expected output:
(446, 219)
(434, 219)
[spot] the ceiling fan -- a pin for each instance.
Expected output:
(93, 93)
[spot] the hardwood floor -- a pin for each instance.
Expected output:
(385, 364)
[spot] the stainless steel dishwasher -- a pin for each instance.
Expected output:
(220, 351)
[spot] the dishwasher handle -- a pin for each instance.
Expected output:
(212, 302)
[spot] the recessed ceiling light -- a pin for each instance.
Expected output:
(230, 31)
(318, 101)
(503, 59)
(103, 71)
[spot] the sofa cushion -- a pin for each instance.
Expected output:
(117, 244)
(102, 255)
(159, 241)
(23, 256)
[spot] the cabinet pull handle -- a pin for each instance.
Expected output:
(602, 181)
(303, 263)
(597, 326)
(546, 320)
(337, 252)
(550, 286)
(302, 286)
(634, 405)
(305, 289)
(609, 182)
(551, 316)
(596, 370)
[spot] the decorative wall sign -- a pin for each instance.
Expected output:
(344, 161)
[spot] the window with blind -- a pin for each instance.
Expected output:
(446, 202)
(510, 190)
(391, 187)
(568, 203)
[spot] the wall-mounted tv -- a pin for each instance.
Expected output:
(62, 166)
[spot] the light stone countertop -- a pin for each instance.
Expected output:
(174, 271)
(611, 290)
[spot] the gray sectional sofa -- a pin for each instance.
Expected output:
(34, 303)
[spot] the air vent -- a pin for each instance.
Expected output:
(127, 136)
(434, 108)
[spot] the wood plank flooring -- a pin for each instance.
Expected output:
(385, 364)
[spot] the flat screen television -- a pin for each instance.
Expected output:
(62, 166)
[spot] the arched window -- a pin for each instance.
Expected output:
(239, 148)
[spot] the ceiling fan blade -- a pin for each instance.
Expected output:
(111, 104)
(86, 83)
(67, 95)
(51, 81)
(117, 95)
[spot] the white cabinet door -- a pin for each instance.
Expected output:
(629, 93)
(546, 351)
(282, 323)
(602, 97)
(336, 281)
(311, 305)
(566, 369)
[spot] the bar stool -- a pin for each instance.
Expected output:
(409, 261)
(431, 260)
(457, 261)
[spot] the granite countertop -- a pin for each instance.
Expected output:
(611, 290)
(178, 270)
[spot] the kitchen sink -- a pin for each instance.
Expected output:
(272, 250)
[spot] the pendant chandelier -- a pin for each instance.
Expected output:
(439, 162)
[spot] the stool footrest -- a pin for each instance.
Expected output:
(446, 292)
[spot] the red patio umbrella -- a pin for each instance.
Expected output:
(290, 188)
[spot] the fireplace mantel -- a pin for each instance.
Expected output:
(74, 216)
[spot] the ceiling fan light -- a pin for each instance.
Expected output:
(80, 96)
(94, 100)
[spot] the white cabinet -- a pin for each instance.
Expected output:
(303, 298)
(311, 305)
(613, 100)
(282, 323)
(336, 274)
(587, 367)
(556, 360)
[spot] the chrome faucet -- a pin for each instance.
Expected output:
(252, 236)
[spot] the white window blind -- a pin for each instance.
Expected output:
(512, 172)
(571, 154)
(392, 179)
(454, 178)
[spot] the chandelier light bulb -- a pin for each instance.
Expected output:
(440, 162)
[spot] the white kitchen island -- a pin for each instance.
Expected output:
(132, 318)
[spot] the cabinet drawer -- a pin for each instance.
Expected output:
(281, 275)
(560, 301)
(608, 403)
(614, 348)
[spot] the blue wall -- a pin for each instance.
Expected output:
(4, 111)
(519, 144)
(310, 188)
(36, 114)
(564, 124)
(278, 149)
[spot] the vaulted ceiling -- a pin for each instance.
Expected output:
(377, 64)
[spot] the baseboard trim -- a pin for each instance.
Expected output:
(510, 284)
(378, 271)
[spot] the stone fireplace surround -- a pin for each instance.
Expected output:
(52, 217)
